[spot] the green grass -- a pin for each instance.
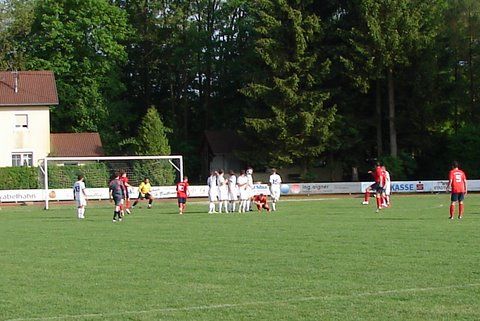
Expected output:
(330, 259)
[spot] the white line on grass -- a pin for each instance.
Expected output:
(235, 305)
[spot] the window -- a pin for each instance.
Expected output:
(21, 121)
(22, 159)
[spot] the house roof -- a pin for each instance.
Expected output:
(28, 88)
(223, 141)
(76, 144)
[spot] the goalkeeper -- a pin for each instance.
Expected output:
(144, 193)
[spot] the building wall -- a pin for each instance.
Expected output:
(35, 139)
(226, 162)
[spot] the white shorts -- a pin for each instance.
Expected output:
(251, 192)
(388, 189)
(233, 195)
(223, 194)
(244, 194)
(82, 201)
(213, 196)
(275, 193)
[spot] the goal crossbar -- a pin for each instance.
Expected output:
(106, 158)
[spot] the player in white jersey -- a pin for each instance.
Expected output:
(387, 188)
(249, 174)
(242, 184)
(80, 196)
(232, 191)
(275, 183)
(212, 191)
(222, 192)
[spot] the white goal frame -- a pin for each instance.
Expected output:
(44, 169)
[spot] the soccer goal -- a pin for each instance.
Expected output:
(61, 172)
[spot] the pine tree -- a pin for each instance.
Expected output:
(152, 140)
(291, 119)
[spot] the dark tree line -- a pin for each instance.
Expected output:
(343, 81)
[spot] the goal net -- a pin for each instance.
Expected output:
(61, 172)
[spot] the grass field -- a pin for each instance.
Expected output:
(323, 259)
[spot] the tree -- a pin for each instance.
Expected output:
(152, 135)
(395, 29)
(16, 18)
(80, 40)
(152, 140)
(290, 119)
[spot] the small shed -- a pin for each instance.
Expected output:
(218, 151)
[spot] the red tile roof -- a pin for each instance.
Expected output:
(76, 144)
(34, 88)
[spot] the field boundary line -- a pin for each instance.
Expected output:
(253, 303)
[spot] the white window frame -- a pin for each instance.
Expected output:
(20, 125)
(24, 157)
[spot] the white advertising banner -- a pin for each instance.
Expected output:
(424, 186)
(31, 195)
(22, 195)
(320, 188)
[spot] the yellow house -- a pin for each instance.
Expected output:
(25, 98)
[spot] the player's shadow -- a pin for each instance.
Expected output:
(58, 219)
(384, 218)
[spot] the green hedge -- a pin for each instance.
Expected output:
(18, 178)
(96, 175)
(159, 173)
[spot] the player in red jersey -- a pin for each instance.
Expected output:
(182, 194)
(261, 202)
(457, 184)
(126, 185)
(377, 187)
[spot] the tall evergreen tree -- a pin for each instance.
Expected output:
(152, 135)
(152, 140)
(291, 119)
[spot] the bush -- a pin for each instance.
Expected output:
(159, 174)
(96, 175)
(464, 147)
(18, 178)
(400, 168)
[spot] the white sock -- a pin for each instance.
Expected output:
(233, 206)
(274, 206)
(212, 207)
(248, 205)
(245, 206)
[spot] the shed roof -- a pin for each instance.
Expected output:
(28, 88)
(76, 144)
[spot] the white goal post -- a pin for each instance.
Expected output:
(175, 161)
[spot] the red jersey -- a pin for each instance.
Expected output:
(457, 180)
(378, 175)
(124, 181)
(262, 199)
(182, 189)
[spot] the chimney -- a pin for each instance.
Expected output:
(15, 85)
